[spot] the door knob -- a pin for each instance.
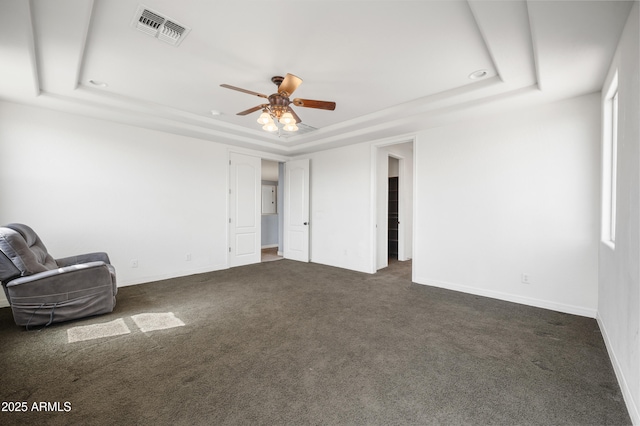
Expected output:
(306, 223)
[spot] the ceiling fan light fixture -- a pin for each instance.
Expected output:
(264, 118)
(278, 110)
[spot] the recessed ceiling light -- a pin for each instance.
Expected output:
(478, 74)
(98, 83)
(215, 112)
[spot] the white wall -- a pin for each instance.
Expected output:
(619, 286)
(269, 230)
(511, 194)
(340, 207)
(89, 185)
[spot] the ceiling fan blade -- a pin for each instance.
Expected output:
(310, 103)
(289, 84)
(254, 109)
(227, 86)
(295, 116)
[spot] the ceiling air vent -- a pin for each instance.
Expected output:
(171, 33)
(149, 22)
(157, 25)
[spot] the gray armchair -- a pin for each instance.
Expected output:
(42, 290)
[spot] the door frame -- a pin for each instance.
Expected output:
(377, 150)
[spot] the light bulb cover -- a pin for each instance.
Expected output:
(287, 118)
(264, 118)
(291, 127)
(270, 126)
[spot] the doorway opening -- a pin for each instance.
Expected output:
(394, 204)
(272, 209)
(268, 207)
(392, 210)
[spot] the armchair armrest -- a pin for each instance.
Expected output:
(83, 258)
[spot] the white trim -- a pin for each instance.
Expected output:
(262, 155)
(373, 208)
(373, 211)
(375, 198)
(227, 201)
(414, 213)
(632, 408)
(83, 48)
(608, 152)
(534, 48)
(33, 53)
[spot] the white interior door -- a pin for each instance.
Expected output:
(244, 209)
(402, 213)
(296, 210)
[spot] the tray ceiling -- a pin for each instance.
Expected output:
(392, 67)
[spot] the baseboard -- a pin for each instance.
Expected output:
(269, 246)
(507, 297)
(148, 279)
(622, 382)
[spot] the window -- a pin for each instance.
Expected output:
(614, 166)
(610, 163)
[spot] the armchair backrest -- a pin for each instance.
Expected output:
(23, 253)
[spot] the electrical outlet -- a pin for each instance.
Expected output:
(134, 263)
(187, 257)
(524, 278)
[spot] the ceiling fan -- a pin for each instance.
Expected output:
(279, 107)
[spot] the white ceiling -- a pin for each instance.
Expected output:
(392, 67)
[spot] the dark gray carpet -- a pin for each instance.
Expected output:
(298, 344)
